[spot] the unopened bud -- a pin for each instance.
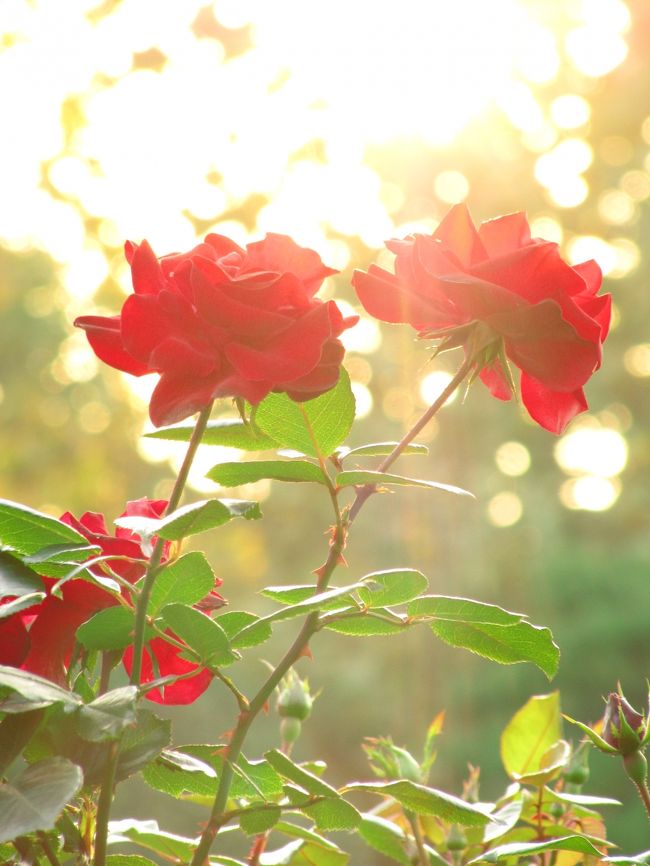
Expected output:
(456, 840)
(295, 701)
(290, 729)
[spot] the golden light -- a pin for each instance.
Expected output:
(592, 451)
(513, 459)
(505, 509)
(584, 247)
(637, 360)
(363, 400)
(432, 386)
(570, 111)
(451, 187)
(590, 493)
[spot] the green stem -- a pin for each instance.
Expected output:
(644, 793)
(414, 821)
(364, 493)
(108, 782)
(48, 850)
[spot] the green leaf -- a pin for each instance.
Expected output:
(233, 621)
(65, 553)
(35, 798)
(142, 742)
(15, 733)
(234, 474)
(641, 859)
(333, 814)
(259, 818)
(385, 837)
(382, 449)
(505, 644)
(384, 588)
(108, 715)
(567, 843)
(128, 860)
(328, 419)
(364, 625)
(192, 519)
(23, 603)
(35, 691)
(148, 835)
(465, 610)
(24, 530)
(581, 799)
(16, 578)
(356, 477)
(426, 801)
(530, 733)
(108, 629)
(253, 633)
(203, 635)
(306, 853)
(228, 432)
(187, 580)
(290, 594)
(306, 780)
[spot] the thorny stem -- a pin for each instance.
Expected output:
(108, 782)
(644, 793)
(48, 850)
(218, 817)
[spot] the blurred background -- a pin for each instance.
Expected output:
(344, 124)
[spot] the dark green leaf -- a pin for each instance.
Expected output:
(109, 629)
(505, 644)
(142, 742)
(36, 691)
(15, 733)
(228, 432)
(187, 580)
(203, 635)
(306, 780)
(35, 798)
(385, 837)
(426, 801)
(382, 449)
(385, 588)
(259, 818)
(108, 715)
(234, 474)
(567, 843)
(22, 603)
(465, 610)
(326, 419)
(332, 814)
(26, 531)
(16, 578)
(357, 477)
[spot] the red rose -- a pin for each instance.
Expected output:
(544, 314)
(223, 321)
(41, 638)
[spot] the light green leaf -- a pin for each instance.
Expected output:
(385, 837)
(426, 801)
(108, 715)
(505, 818)
(385, 588)
(333, 814)
(586, 800)
(235, 474)
(637, 859)
(328, 419)
(233, 621)
(465, 610)
(192, 519)
(356, 477)
(382, 449)
(567, 843)
(530, 733)
(290, 594)
(148, 835)
(34, 800)
(228, 432)
(203, 635)
(259, 818)
(109, 629)
(253, 633)
(187, 580)
(505, 644)
(142, 742)
(36, 691)
(16, 578)
(306, 780)
(24, 530)
(9, 608)
(364, 625)
(301, 853)
(65, 553)
(128, 860)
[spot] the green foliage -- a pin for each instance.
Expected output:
(530, 735)
(568, 843)
(107, 716)
(16, 578)
(385, 837)
(316, 426)
(128, 860)
(185, 580)
(259, 818)
(35, 692)
(192, 519)
(109, 629)
(234, 474)
(426, 801)
(27, 531)
(227, 432)
(383, 588)
(356, 477)
(298, 775)
(202, 634)
(381, 449)
(33, 800)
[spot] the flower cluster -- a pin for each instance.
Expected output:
(41, 639)
(535, 310)
(222, 321)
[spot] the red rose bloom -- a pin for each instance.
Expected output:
(222, 321)
(545, 315)
(41, 638)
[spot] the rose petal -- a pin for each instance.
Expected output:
(105, 337)
(458, 234)
(168, 663)
(551, 410)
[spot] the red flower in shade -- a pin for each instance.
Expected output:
(545, 315)
(223, 321)
(41, 638)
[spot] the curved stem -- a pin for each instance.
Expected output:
(363, 493)
(108, 782)
(644, 793)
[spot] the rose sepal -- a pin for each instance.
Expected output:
(595, 738)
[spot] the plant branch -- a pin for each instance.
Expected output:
(414, 821)
(104, 804)
(644, 793)
(47, 849)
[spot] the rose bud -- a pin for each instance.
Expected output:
(294, 700)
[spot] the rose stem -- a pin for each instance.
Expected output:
(309, 627)
(108, 783)
(644, 793)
